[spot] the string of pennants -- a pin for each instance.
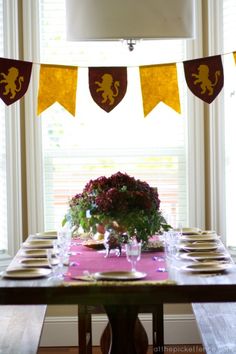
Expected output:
(108, 85)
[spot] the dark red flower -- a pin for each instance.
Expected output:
(119, 198)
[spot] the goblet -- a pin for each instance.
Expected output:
(133, 253)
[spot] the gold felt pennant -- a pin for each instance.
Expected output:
(57, 83)
(159, 83)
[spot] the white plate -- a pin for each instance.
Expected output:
(204, 255)
(38, 244)
(119, 275)
(199, 246)
(211, 267)
(27, 273)
(37, 262)
(200, 238)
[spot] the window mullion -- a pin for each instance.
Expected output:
(32, 123)
(13, 150)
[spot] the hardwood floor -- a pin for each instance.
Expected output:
(177, 349)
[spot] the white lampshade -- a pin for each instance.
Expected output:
(129, 19)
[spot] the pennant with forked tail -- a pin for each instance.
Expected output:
(14, 79)
(205, 77)
(108, 86)
(57, 83)
(159, 83)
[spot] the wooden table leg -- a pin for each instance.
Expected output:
(127, 335)
(85, 330)
(158, 329)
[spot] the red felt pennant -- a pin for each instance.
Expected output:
(14, 79)
(205, 77)
(108, 86)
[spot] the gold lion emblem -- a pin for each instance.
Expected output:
(203, 78)
(12, 80)
(106, 85)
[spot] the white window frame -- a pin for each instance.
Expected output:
(13, 141)
(216, 129)
(33, 134)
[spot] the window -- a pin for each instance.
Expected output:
(3, 178)
(71, 150)
(10, 179)
(229, 104)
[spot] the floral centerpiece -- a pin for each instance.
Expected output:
(121, 200)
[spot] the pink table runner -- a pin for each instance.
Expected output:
(86, 259)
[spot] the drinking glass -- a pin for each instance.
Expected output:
(55, 258)
(133, 253)
(60, 254)
(171, 240)
(52, 261)
(64, 242)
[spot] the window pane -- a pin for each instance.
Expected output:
(229, 30)
(95, 143)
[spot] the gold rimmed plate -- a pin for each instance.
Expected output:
(26, 273)
(34, 253)
(210, 267)
(199, 246)
(119, 275)
(83, 277)
(202, 256)
(38, 244)
(97, 245)
(47, 235)
(208, 232)
(200, 238)
(190, 230)
(37, 262)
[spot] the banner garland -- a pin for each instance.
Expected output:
(108, 85)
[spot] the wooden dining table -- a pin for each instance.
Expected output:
(123, 300)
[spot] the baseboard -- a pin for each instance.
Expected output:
(63, 331)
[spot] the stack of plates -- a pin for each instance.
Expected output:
(194, 239)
